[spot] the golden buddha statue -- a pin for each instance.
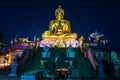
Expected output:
(59, 28)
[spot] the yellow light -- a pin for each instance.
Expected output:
(7, 55)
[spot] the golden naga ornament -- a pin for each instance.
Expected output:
(59, 29)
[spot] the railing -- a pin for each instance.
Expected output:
(88, 53)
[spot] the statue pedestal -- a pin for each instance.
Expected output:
(13, 70)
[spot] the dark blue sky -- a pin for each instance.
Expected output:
(22, 18)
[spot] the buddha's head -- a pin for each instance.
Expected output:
(59, 13)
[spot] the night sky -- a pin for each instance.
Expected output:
(22, 18)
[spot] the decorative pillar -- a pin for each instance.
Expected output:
(117, 69)
(13, 70)
(14, 66)
(101, 73)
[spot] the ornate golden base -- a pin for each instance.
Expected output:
(61, 37)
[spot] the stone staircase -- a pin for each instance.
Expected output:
(79, 62)
(32, 63)
(84, 65)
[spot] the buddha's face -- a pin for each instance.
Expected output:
(59, 13)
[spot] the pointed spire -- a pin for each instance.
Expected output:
(11, 42)
(34, 38)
